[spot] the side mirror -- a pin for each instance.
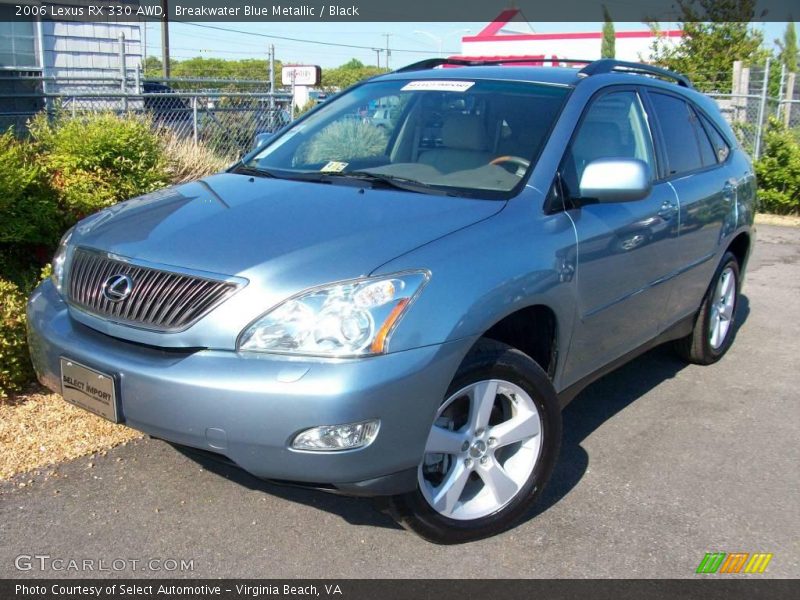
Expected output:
(615, 180)
(261, 139)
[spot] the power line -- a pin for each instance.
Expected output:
(304, 41)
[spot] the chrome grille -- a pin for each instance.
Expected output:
(159, 300)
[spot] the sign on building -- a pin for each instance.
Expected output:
(301, 75)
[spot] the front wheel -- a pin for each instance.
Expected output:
(491, 448)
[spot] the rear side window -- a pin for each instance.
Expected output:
(707, 153)
(680, 130)
(721, 147)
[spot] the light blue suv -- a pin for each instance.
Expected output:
(403, 310)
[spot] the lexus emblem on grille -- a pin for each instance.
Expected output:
(117, 287)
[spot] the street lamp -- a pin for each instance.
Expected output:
(440, 40)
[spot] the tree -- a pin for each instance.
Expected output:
(715, 33)
(608, 47)
(788, 53)
(348, 74)
(152, 67)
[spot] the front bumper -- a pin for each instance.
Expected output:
(248, 407)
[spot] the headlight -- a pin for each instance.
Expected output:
(353, 318)
(59, 260)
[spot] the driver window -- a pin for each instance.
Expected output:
(615, 126)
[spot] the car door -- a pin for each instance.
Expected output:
(698, 171)
(625, 249)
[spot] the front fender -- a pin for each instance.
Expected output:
(487, 271)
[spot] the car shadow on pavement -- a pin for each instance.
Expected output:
(594, 406)
(356, 511)
(604, 399)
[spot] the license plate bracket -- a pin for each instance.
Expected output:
(89, 389)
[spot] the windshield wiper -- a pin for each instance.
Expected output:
(401, 183)
(241, 168)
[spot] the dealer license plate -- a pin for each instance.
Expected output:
(89, 389)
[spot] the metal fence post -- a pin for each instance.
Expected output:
(761, 110)
(194, 119)
(780, 90)
(123, 73)
(788, 100)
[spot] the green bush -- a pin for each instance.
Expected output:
(344, 141)
(96, 160)
(27, 205)
(15, 365)
(778, 171)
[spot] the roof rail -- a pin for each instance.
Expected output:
(593, 67)
(609, 65)
(431, 63)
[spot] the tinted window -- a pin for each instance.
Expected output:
(707, 153)
(679, 130)
(721, 148)
(613, 127)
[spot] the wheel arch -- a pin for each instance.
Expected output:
(532, 330)
(739, 246)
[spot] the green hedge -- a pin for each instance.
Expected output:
(15, 365)
(28, 205)
(94, 161)
(778, 171)
(68, 169)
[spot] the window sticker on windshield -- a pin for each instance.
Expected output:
(438, 86)
(334, 167)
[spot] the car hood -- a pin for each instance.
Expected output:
(234, 224)
(281, 236)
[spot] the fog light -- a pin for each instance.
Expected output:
(326, 438)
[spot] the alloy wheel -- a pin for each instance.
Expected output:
(482, 448)
(722, 308)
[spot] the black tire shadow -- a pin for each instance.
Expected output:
(595, 405)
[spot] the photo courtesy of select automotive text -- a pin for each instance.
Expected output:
(415, 300)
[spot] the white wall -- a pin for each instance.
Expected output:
(89, 49)
(632, 49)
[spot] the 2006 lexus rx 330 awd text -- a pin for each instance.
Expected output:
(403, 310)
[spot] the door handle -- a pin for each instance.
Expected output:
(729, 190)
(667, 210)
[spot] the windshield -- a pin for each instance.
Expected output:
(473, 138)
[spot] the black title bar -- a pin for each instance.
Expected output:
(701, 587)
(276, 11)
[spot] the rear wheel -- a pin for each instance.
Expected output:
(713, 331)
(491, 448)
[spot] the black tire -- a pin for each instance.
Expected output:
(696, 348)
(492, 360)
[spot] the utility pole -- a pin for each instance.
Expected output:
(378, 55)
(165, 38)
(388, 51)
(272, 85)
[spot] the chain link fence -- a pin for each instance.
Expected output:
(757, 94)
(227, 116)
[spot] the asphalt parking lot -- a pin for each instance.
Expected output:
(661, 463)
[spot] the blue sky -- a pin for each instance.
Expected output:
(187, 40)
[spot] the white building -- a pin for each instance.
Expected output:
(506, 37)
